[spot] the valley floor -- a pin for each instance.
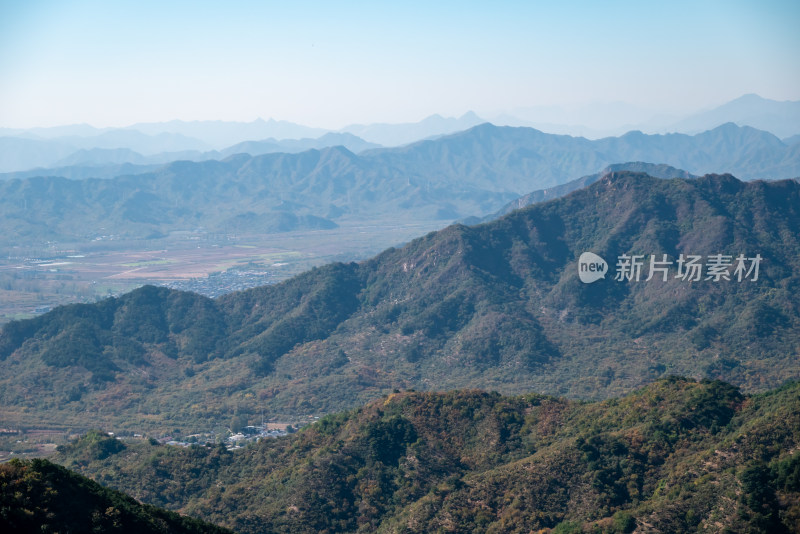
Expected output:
(36, 277)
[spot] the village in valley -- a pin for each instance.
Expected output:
(38, 443)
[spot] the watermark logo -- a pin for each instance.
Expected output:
(591, 267)
(686, 268)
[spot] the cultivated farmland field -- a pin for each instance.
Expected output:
(36, 277)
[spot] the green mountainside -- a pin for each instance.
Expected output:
(41, 497)
(497, 306)
(675, 456)
(471, 173)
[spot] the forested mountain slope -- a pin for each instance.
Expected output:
(41, 497)
(495, 306)
(675, 456)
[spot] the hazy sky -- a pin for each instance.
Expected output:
(328, 64)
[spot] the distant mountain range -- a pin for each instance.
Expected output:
(616, 118)
(44, 157)
(153, 143)
(471, 173)
(496, 306)
(405, 133)
(117, 156)
(221, 134)
(256, 148)
(23, 153)
(779, 118)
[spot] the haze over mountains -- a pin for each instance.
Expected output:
(22, 150)
(618, 118)
(153, 143)
(779, 118)
(34, 157)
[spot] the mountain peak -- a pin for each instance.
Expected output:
(782, 119)
(337, 150)
(750, 97)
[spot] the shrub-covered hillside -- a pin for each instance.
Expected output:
(675, 456)
(41, 497)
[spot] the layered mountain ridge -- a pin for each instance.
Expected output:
(472, 173)
(496, 306)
